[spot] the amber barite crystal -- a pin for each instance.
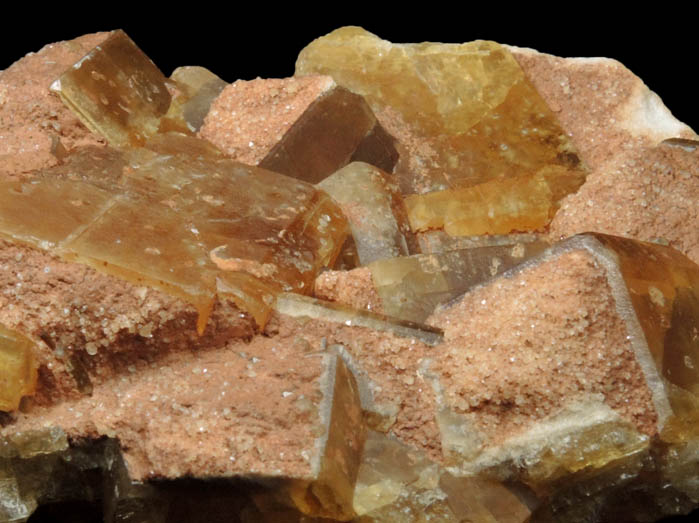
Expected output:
(463, 115)
(18, 373)
(199, 224)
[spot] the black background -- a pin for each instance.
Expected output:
(246, 41)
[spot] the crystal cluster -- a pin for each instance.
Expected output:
(181, 339)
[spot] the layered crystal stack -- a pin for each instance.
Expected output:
(337, 296)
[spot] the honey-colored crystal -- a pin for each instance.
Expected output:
(496, 207)
(585, 453)
(18, 369)
(466, 113)
(336, 129)
(374, 208)
(411, 287)
(663, 288)
(439, 241)
(198, 88)
(116, 91)
(199, 225)
(297, 306)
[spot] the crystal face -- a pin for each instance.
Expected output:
(412, 286)
(370, 199)
(18, 373)
(467, 115)
(652, 292)
(185, 237)
(116, 91)
(312, 127)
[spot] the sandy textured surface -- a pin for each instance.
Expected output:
(250, 117)
(35, 126)
(522, 348)
(635, 188)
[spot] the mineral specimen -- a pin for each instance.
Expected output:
(116, 91)
(588, 408)
(299, 306)
(200, 87)
(545, 381)
(398, 483)
(185, 234)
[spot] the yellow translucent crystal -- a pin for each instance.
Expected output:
(180, 217)
(18, 369)
(116, 91)
(303, 306)
(337, 128)
(439, 241)
(198, 88)
(496, 207)
(584, 454)
(663, 288)
(463, 114)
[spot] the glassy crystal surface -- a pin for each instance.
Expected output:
(27, 444)
(585, 453)
(116, 91)
(463, 114)
(302, 127)
(399, 483)
(336, 129)
(297, 305)
(663, 288)
(18, 369)
(524, 203)
(198, 88)
(198, 224)
(411, 287)
(374, 208)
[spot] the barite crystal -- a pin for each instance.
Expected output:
(296, 305)
(374, 208)
(116, 91)
(463, 115)
(18, 370)
(198, 88)
(306, 128)
(399, 483)
(496, 207)
(185, 237)
(411, 287)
